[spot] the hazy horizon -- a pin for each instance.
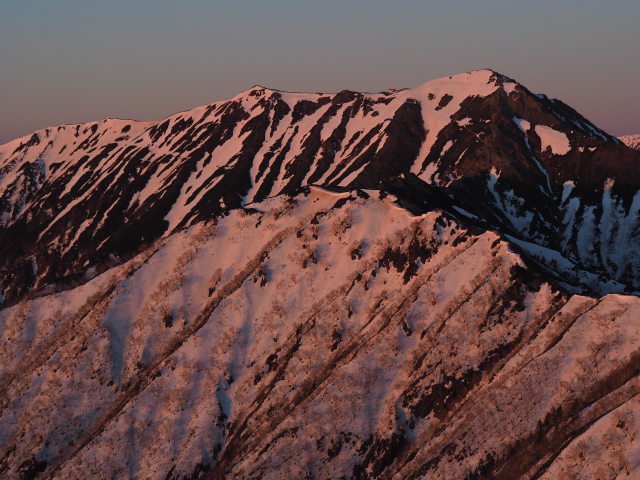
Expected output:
(72, 62)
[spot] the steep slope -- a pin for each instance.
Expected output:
(632, 141)
(324, 335)
(82, 198)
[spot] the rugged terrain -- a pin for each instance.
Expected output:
(414, 284)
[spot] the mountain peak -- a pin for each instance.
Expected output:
(256, 90)
(472, 83)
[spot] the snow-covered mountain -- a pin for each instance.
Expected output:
(83, 196)
(632, 141)
(411, 284)
(325, 335)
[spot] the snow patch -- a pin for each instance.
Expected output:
(509, 87)
(553, 139)
(566, 190)
(524, 125)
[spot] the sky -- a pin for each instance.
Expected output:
(70, 61)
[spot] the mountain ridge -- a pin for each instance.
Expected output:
(241, 94)
(126, 183)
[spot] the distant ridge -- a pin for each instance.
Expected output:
(632, 141)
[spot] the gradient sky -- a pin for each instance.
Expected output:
(69, 61)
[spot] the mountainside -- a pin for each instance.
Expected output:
(632, 141)
(438, 282)
(83, 196)
(237, 349)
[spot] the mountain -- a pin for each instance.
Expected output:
(84, 197)
(437, 282)
(632, 141)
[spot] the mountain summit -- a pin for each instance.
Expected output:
(453, 268)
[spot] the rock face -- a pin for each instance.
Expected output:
(412, 284)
